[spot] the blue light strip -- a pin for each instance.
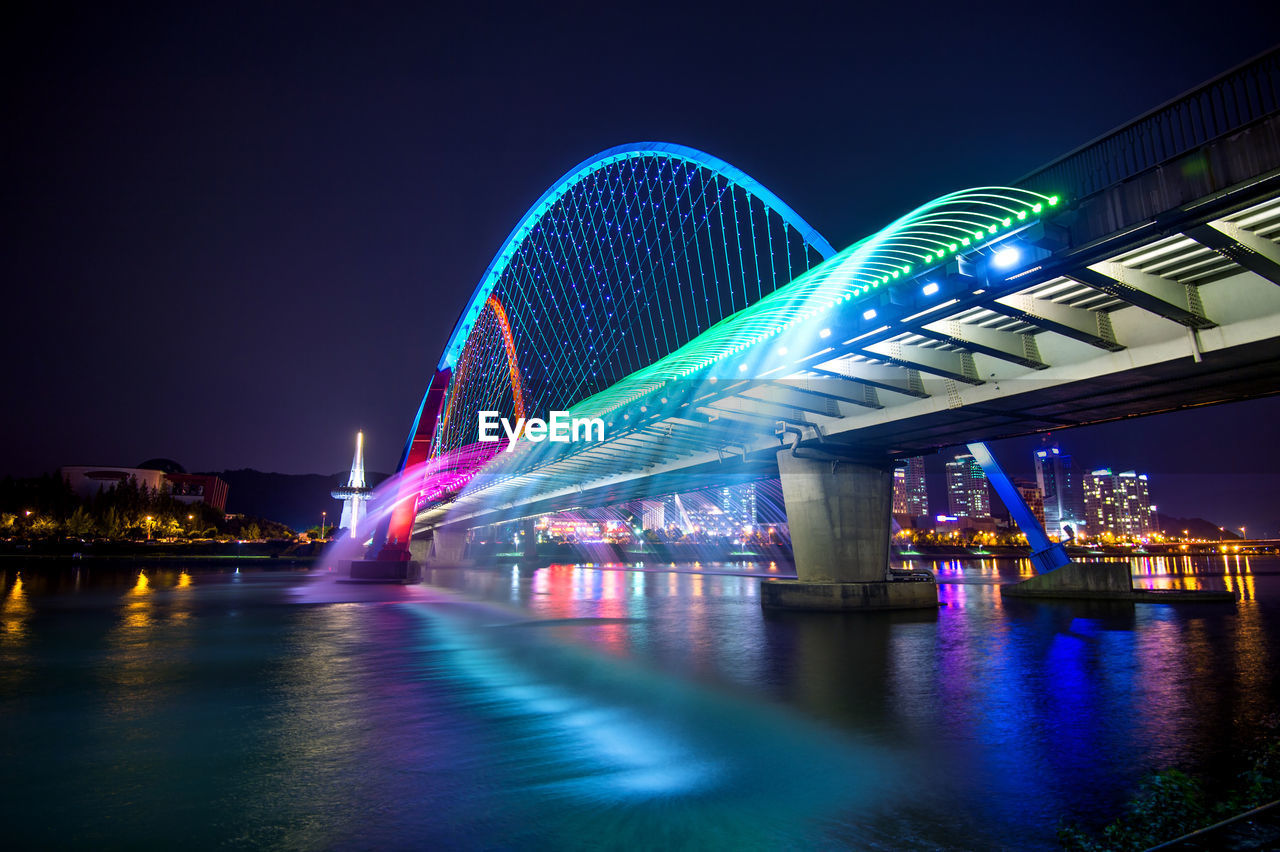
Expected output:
(509, 248)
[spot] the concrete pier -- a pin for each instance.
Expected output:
(448, 548)
(1102, 581)
(528, 540)
(838, 512)
(385, 571)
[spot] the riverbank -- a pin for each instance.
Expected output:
(263, 553)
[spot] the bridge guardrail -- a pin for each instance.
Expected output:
(1226, 104)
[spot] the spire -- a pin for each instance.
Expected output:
(357, 463)
(355, 495)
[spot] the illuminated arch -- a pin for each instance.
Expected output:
(513, 365)
(540, 208)
(629, 256)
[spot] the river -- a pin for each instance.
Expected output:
(575, 707)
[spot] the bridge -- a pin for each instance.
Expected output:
(721, 338)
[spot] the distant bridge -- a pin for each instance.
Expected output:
(669, 293)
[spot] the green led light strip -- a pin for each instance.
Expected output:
(953, 224)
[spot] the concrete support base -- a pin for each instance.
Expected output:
(385, 571)
(448, 549)
(1102, 581)
(847, 597)
(838, 512)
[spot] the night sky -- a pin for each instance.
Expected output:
(234, 235)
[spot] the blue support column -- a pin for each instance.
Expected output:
(1046, 555)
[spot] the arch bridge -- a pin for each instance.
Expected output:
(720, 337)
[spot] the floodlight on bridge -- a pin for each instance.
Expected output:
(1006, 258)
(930, 289)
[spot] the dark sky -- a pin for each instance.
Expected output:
(234, 234)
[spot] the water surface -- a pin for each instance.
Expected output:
(569, 707)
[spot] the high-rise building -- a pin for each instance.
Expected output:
(910, 496)
(1061, 488)
(1099, 502)
(738, 502)
(1118, 503)
(653, 513)
(1137, 514)
(899, 491)
(1030, 493)
(968, 495)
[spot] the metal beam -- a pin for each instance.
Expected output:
(1045, 554)
(780, 393)
(1017, 349)
(1256, 254)
(839, 389)
(1092, 327)
(763, 407)
(879, 376)
(647, 439)
(757, 420)
(1152, 293)
(957, 366)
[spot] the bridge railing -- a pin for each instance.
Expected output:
(1225, 105)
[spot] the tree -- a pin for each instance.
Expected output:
(81, 522)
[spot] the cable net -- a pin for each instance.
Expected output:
(633, 260)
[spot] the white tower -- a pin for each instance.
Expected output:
(355, 494)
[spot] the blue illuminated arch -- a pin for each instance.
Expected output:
(668, 150)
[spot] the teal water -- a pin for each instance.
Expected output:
(602, 707)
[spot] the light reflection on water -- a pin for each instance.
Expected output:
(578, 706)
(14, 614)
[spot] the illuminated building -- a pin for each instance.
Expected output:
(1118, 503)
(160, 476)
(87, 480)
(899, 491)
(1030, 494)
(738, 502)
(198, 488)
(910, 497)
(968, 496)
(1060, 487)
(654, 514)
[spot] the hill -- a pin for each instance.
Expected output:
(295, 500)
(1196, 528)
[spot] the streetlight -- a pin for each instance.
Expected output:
(148, 528)
(1242, 535)
(323, 517)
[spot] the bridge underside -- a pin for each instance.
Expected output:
(1247, 372)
